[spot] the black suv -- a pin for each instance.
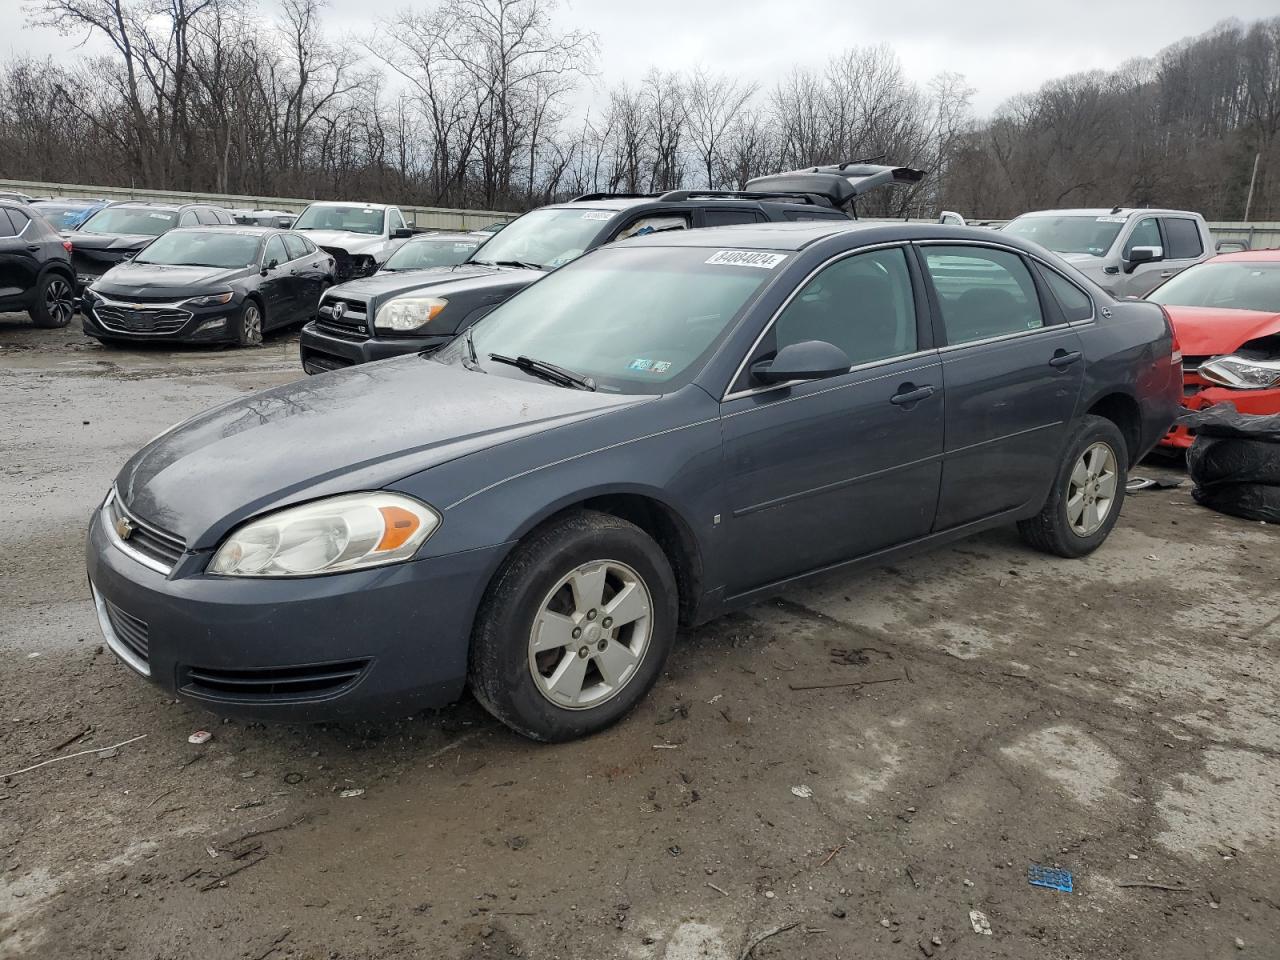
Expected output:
(386, 315)
(118, 231)
(35, 267)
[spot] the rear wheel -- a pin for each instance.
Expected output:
(1087, 493)
(249, 325)
(575, 628)
(55, 302)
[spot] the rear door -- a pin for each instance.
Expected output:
(1013, 371)
(1183, 246)
(825, 471)
(14, 271)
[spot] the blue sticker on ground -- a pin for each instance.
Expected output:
(1049, 877)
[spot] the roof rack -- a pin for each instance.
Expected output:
(672, 196)
(840, 183)
(611, 196)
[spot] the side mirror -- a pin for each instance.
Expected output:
(807, 360)
(269, 266)
(401, 233)
(1139, 255)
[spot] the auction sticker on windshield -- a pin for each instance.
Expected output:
(598, 215)
(746, 258)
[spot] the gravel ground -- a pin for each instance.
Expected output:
(1115, 717)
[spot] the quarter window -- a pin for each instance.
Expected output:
(296, 246)
(1074, 302)
(1184, 238)
(982, 292)
(20, 220)
(863, 304)
(1145, 234)
(6, 225)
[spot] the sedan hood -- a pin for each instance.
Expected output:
(343, 240)
(107, 241)
(356, 429)
(152, 281)
(1212, 331)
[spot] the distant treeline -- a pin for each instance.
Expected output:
(475, 103)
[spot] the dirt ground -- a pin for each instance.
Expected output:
(1116, 717)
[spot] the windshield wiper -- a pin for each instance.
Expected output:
(547, 371)
(523, 264)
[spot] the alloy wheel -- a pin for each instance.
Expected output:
(58, 302)
(590, 634)
(1091, 491)
(252, 324)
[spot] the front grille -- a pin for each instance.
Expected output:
(129, 630)
(147, 539)
(351, 324)
(138, 318)
(310, 682)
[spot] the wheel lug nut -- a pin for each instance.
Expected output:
(607, 622)
(577, 632)
(584, 652)
(591, 614)
(602, 644)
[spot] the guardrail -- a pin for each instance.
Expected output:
(444, 218)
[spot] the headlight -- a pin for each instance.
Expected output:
(212, 300)
(408, 313)
(348, 532)
(1241, 373)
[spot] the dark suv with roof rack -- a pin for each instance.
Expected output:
(119, 230)
(387, 315)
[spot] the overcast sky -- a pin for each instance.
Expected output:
(1002, 47)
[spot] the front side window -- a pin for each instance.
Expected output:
(131, 221)
(347, 219)
(1184, 238)
(1145, 234)
(639, 320)
(863, 304)
(982, 292)
(275, 251)
(224, 249)
(1068, 234)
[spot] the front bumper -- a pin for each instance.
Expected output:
(369, 643)
(321, 350)
(1246, 401)
(165, 323)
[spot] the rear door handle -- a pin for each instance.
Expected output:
(1063, 359)
(909, 393)
(1167, 274)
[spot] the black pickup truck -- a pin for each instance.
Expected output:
(389, 314)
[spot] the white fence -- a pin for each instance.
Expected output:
(444, 218)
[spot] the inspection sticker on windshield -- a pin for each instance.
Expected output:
(598, 215)
(747, 258)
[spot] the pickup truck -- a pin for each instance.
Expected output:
(396, 313)
(359, 236)
(1127, 252)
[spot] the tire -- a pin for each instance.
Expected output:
(1060, 528)
(55, 302)
(249, 322)
(546, 587)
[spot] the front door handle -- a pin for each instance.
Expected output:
(33, 247)
(1063, 359)
(909, 393)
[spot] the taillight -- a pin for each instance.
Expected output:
(1175, 355)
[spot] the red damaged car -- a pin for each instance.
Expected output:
(1226, 314)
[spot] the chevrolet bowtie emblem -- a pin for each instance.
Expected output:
(124, 529)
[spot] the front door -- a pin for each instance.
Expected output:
(833, 469)
(280, 285)
(1143, 277)
(1012, 382)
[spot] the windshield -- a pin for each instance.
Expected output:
(61, 214)
(1229, 285)
(1075, 234)
(636, 319)
(423, 254)
(136, 221)
(549, 238)
(212, 248)
(354, 219)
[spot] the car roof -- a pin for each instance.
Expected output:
(162, 205)
(1106, 212)
(801, 234)
(351, 203)
(248, 229)
(455, 236)
(1258, 256)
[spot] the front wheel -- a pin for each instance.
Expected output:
(249, 325)
(575, 628)
(55, 302)
(1087, 493)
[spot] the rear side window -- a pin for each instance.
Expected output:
(206, 216)
(1074, 302)
(654, 224)
(6, 225)
(296, 246)
(18, 219)
(863, 304)
(724, 218)
(1183, 236)
(982, 292)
